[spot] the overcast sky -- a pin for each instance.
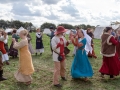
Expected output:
(93, 12)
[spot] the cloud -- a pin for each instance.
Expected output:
(71, 10)
(50, 1)
(23, 10)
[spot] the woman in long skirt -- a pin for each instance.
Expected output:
(26, 68)
(12, 51)
(111, 63)
(81, 66)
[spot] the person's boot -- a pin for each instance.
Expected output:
(63, 78)
(1, 76)
(7, 63)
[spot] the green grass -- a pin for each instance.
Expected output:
(42, 77)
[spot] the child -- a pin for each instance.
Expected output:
(39, 43)
(25, 60)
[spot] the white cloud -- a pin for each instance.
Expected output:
(93, 12)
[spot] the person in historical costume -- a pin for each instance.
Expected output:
(6, 44)
(12, 51)
(26, 68)
(88, 47)
(81, 66)
(89, 32)
(32, 51)
(73, 33)
(58, 43)
(39, 42)
(1, 70)
(3, 36)
(51, 36)
(118, 45)
(111, 63)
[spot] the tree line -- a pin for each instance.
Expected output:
(17, 24)
(67, 26)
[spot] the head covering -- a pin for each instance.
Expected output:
(107, 29)
(51, 27)
(60, 29)
(88, 43)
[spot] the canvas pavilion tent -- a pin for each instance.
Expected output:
(20, 29)
(98, 32)
(47, 31)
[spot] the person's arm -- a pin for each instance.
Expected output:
(55, 45)
(78, 43)
(48, 35)
(113, 41)
(38, 36)
(18, 45)
(2, 38)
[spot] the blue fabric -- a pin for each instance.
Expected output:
(81, 66)
(113, 33)
(39, 43)
(52, 34)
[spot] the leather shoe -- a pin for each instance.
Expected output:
(58, 85)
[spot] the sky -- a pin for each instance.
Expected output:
(75, 12)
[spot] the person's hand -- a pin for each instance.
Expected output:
(69, 41)
(76, 36)
(4, 33)
(61, 42)
(13, 39)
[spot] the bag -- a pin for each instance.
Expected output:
(66, 50)
(60, 58)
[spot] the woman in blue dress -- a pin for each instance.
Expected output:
(81, 66)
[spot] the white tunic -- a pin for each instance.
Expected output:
(54, 42)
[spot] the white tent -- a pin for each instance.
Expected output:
(8, 30)
(47, 31)
(98, 32)
(68, 31)
(115, 26)
(20, 29)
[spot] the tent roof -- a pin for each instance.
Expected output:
(98, 32)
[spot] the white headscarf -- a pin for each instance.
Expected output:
(88, 43)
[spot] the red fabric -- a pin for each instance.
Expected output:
(67, 43)
(111, 65)
(118, 47)
(61, 49)
(2, 48)
(58, 45)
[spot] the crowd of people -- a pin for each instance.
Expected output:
(83, 48)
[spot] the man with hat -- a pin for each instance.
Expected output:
(51, 36)
(58, 43)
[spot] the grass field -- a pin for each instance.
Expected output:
(42, 77)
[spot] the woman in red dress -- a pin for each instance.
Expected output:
(118, 46)
(111, 63)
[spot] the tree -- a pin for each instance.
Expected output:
(67, 26)
(47, 25)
